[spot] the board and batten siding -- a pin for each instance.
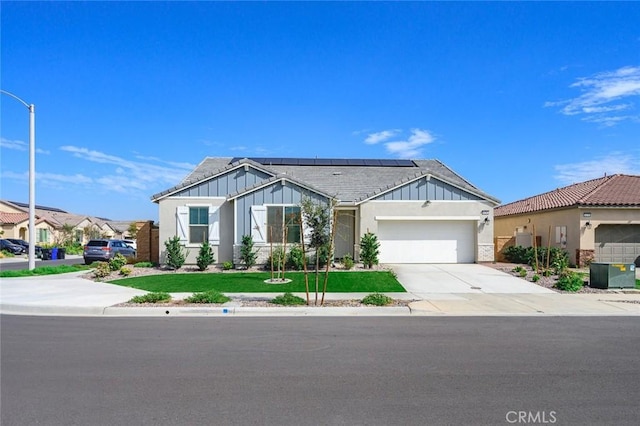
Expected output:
(432, 189)
(274, 194)
(225, 184)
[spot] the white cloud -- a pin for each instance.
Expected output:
(140, 175)
(613, 163)
(409, 148)
(602, 96)
(374, 138)
(16, 145)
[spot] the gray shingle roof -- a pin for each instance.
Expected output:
(346, 183)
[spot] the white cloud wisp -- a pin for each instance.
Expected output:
(602, 96)
(613, 163)
(411, 147)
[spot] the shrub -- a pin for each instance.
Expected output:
(205, 256)
(516, 254)
(117, 262)
(151, 298)
(295, 258)
(347, 261)
(6, 253)
(522, 273)
(211, 296)
(323, 257)
(569, 282)
(377, 299)
(535, 278)
(518, 269)
(276, 259)
(288, 299)
(247, 254)
(369, 249)
(125, 271)
(102, 269)
(227, 265)
(176, 255)
(143, 265)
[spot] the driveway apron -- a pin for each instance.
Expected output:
(440, 280)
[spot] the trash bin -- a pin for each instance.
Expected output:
(612, 275)
(46, 254)
(61, 253)
(54, 253)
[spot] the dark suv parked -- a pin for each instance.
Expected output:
(25, 244)
(7, 245)
(104, 250)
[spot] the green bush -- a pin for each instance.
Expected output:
(377, 299)
(517, 269)
(227, 265)
(125, 271)
(155, 297)
(144, 265)
(276, 259)
(522, 273)
(176, 255)
(369, 249)
(516, 254)
(117, 262)
(205, 256)
(288, 299)
(535, 278)
(569, 282)
(295, 258)
(211, 296)
(247, 254)
(102, 269)
(323, 253)
(75, 248)
(347, 261)
(6, 253)
(519, 254)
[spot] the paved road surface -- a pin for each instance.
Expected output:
(319, 371)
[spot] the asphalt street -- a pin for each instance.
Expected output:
(319, 371)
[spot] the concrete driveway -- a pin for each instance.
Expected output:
(429, 281)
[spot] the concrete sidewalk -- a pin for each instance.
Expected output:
(72, 295)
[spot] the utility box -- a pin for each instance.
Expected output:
(612, 275)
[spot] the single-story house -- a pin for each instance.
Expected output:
(420, 210)
(54, 225)
(597, 220)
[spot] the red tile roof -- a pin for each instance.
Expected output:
(614, 191)
(13, 218)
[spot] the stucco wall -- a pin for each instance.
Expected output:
(579, 236)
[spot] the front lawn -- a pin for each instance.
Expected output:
(43, 270)
(253, 282)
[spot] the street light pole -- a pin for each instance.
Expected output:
(32, 178)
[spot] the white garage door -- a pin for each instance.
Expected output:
(426, 241)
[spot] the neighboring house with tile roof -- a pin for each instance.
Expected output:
(421, 210)
(597, 220)
(53, 223)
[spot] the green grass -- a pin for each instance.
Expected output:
(253, 282)
(44, 270)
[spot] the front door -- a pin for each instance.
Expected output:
(345, 232)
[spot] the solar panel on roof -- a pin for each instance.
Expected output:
(293, 161)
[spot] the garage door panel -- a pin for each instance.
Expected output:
(426, 241)
(617, 243)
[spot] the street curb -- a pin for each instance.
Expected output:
(176, 311)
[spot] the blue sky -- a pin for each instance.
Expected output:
(518, 98)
